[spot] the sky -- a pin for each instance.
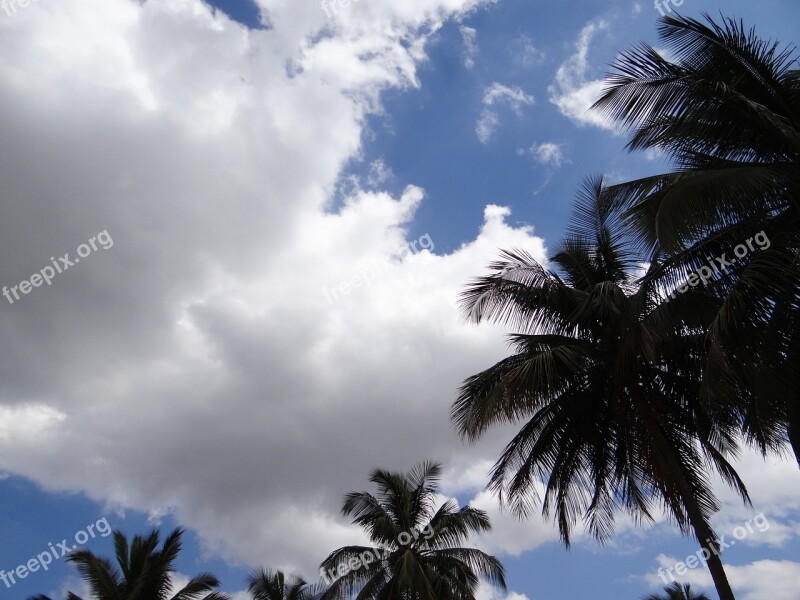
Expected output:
(244, 228)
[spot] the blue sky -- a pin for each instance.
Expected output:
(247, 157)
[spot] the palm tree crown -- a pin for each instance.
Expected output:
(142, 572)
(606, 378)
(726, 109)
(676, 591)
(417, 555)
(274, 585)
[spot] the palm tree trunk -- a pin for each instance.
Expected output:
(706, 536)
(702, 529)
(708, 541)
(794, 428)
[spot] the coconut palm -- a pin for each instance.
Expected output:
(274, 585)
(605, 378)
(725, 108)
(142, 571)
(416, 553)
(676, 591)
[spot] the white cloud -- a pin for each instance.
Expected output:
(573, 92)
(466, 476)
(549, 154)
(72, 583)
(28, 423)
(197, 364)
(773, 488)
(525, 53)
(514, 96)
(773, 485)
(379, 173)
(773, 579)
(495, 95)
(509, 535)
(469, 40)
(759, 580)
(486, 125)
(487, 592)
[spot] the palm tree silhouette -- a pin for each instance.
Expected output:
(606, 379)
(726, 109)
(417, 555)
(274, 585)
(142, 571)
(676, 591)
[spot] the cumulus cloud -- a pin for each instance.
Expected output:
(573, 91)
(496, 95)
(198, 366)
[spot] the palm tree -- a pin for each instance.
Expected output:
(726, 110)
(606, 378)
(417, 555)
(274, 585)
(142, 572)
(676, 591)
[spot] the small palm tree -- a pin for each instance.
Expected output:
(143, 571)
(418, 555)
(274, 585)
(676, 591)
